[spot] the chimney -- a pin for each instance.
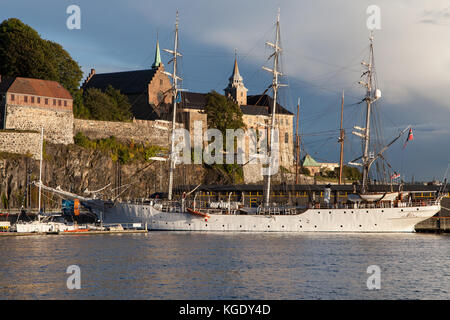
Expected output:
(88, 77)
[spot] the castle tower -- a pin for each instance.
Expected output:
(236, 89)
(157, 63)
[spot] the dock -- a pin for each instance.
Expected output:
(22, 234)
(434, 225)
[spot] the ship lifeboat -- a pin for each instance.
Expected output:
(198, 213)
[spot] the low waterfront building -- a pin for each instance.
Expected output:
(28, 104)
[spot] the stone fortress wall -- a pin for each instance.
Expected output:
(152, 132)
(21, 142)
(57, 124)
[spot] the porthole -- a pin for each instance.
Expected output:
(345, 211)
(401, 210)
(282, 226)
(268, 226)
(206, 225)
(240, 226)
(329, 212)
(367, 211)
(315, 226)
(341, 226)
(382, 210)
(318, 212)
(417, 208)
(360, 226)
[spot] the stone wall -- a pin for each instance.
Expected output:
(57, 124)
(152, 132)
(21, 143)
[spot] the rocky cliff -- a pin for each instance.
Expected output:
(78, 170)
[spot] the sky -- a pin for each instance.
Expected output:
(323, 41)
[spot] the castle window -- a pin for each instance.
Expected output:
(32, 99)
(161, 82)
(54, 102)
(25, 98)
(286, 137)
(59, 103)
(38, 100)
(46, 100)
(65, 103)
(12, 97)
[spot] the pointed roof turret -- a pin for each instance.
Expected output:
(236, 88)
(157, 61)
(235, 77)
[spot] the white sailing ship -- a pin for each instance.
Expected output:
(370, 212)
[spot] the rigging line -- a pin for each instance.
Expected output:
(358, 56)
(341, 69)
(246, 55)
(309, 84)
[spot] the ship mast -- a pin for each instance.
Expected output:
(297, 144)
(341, 141)
(370, 97)
(275, 85)
(175, 91)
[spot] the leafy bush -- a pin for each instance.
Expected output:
(119, 151)
(110, 105)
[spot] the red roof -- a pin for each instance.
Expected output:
(38, 87)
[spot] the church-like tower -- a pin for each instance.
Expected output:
(157, 61)
(236, 89)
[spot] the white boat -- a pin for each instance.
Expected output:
(43, 227)
(372, 212)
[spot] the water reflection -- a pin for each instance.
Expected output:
(181, 265)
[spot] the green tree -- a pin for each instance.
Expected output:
(223, 113)
(348, 172)
(110, 105)
(23, 53)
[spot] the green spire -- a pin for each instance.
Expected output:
(157, 62)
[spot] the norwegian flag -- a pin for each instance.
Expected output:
(395, 175)
(410, 137)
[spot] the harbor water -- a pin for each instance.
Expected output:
(183, 265)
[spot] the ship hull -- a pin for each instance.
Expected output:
(398, 219)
